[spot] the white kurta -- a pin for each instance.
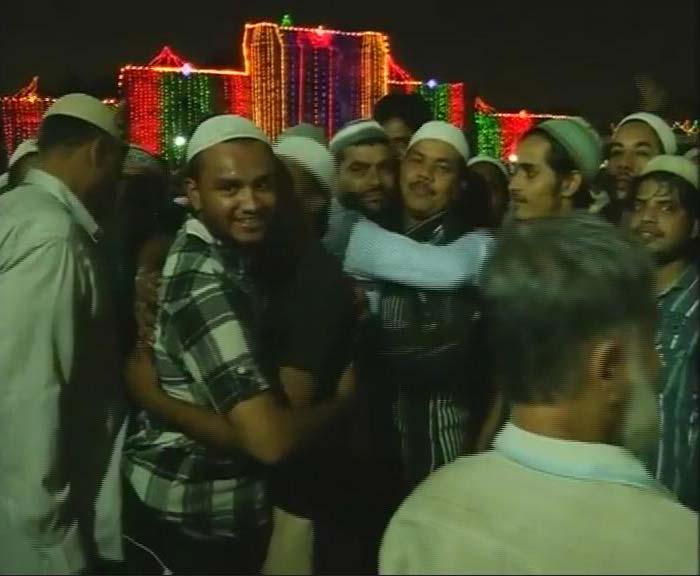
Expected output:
(537, 505)
(61, 408)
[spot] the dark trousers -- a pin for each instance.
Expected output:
(180, 552)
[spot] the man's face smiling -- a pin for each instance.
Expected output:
(235, 192)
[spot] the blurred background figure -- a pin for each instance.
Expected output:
(23, 158)
(495, 176)
(313, 171)
(401, 115)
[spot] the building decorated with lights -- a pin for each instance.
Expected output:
(288, 75)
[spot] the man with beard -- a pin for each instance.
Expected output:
(665, 215)
(569, 300)
(637, 139)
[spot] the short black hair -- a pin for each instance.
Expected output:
(411, 108)
(67, 131)
(562, 164)
(689, 197)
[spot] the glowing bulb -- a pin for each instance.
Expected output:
(513, 158)
(180, 141)
(432, 84)
(186, 69)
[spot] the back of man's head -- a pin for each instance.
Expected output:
(553, 285)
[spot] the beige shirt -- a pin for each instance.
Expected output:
(61, 411)
(538, 505)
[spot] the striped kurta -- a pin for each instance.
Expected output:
(427, 349)
(675, 462)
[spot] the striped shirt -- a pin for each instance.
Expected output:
(676, 460)
(203, 357)
(426, 345)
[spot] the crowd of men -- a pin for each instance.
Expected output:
(378, 353)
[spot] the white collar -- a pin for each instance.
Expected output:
(571, 459)
(62, 193)
(195, 227)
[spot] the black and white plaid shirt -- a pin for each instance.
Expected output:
(203, 357)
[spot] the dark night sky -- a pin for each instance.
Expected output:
(566, 56)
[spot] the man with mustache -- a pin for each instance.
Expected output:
(665, 216)
(570, 301)
(557, 161)
(637, 139)
(426, 339)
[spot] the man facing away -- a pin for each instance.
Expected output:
(62, 409)
(570, 300)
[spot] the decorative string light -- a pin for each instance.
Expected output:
(488, 134)
(21, 114)
(290, 74)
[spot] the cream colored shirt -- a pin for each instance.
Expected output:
(538, 505)
(61, 410)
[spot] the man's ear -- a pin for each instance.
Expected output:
(607, 369)
(696, 229)
(571, 184)
(192, 189)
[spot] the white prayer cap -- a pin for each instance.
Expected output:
(307, 131)
(445, 132)
(581, 142)
(677, 165)
(355, 132)
(489, 160)
(311, 155)
(220, 129)
(88, 109)
(659, 126)
(27, 147)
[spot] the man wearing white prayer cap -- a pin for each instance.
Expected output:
(22, 159)
(637, 139)
(496, 176)
(313, 171)
(62, 416)
(366, 166)
(666, 218)
(557, 161)
(224, 422)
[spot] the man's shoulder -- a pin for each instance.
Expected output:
(34, 215)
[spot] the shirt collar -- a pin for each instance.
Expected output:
(571, 459)
(62, 193)
(194, 227)
(684, 280)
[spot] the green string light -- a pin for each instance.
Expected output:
(488, 135)
(187, 99)
(437, 99)
(287, 21)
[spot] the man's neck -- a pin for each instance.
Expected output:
(668, 274)
(559, 421)
(56, 168)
